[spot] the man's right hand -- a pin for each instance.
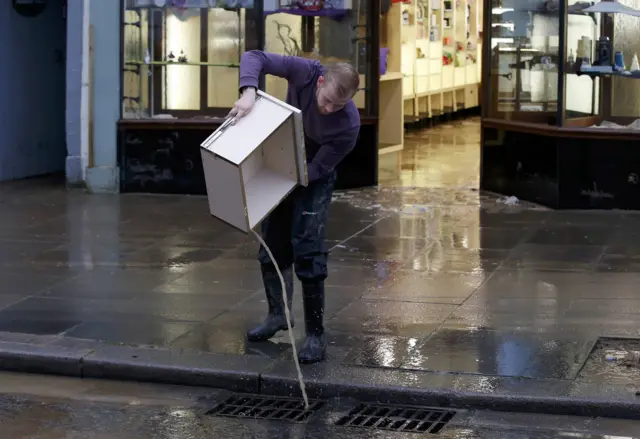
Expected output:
(243, 106)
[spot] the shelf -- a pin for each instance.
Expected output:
(175, 63)
(562, 132)
(390, 76)
(411, 119)
(417, 84)
(388, 148)
(627, 74)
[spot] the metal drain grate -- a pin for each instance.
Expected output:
(260, 407)
(394, 418)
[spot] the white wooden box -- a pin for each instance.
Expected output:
(253, 163)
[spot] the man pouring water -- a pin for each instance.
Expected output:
(295, 230)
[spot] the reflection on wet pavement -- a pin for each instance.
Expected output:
(446, 280)
(514, 354)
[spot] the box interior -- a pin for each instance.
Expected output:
(224, 190)
(270, 173)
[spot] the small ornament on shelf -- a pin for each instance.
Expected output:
(571, 59)
(634, 63)
(433, 29)
(447, 58)
(406, 18)
(618, 61)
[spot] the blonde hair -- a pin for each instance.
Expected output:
(344, 77)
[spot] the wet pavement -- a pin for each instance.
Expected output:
(44, 407)
(444, 286)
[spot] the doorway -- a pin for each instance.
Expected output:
(32, 88)
(441, 153)
(429, 91)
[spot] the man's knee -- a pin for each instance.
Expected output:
(311, 267)
(263, 256)
(283, 257)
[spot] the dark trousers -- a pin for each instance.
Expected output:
(294, 232)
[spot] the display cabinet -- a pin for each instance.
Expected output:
(560, 107)
(181, 62)
(180, 74)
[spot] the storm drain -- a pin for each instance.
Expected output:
(260, 407)
(394, 418)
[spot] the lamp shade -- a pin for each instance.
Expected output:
(612, 7)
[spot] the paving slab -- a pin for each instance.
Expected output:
(434, 296)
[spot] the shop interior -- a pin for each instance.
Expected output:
(592, 54)
(428, 86)
(163, 79)
(560, 124)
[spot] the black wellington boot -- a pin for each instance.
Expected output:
(276, 319)
(315, 345)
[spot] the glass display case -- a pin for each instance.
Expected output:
(180, 75)
(562, 77)
(562, 64)
(183, 62)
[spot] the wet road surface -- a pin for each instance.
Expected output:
(442, 280)
(45, 407)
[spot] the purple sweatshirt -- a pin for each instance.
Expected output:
(328, 138)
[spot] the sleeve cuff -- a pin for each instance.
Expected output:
(248, 82)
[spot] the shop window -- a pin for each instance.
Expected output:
(181, 61)
(625, 93)
(582, 93)
(328, 31)
(524, 62)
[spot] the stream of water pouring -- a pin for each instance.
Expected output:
(287, 313)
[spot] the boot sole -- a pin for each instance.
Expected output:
(266, 338)
(309, 361)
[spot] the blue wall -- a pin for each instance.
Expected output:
(32, 92)
(104, 16)
(74, 165)
(105, 19)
